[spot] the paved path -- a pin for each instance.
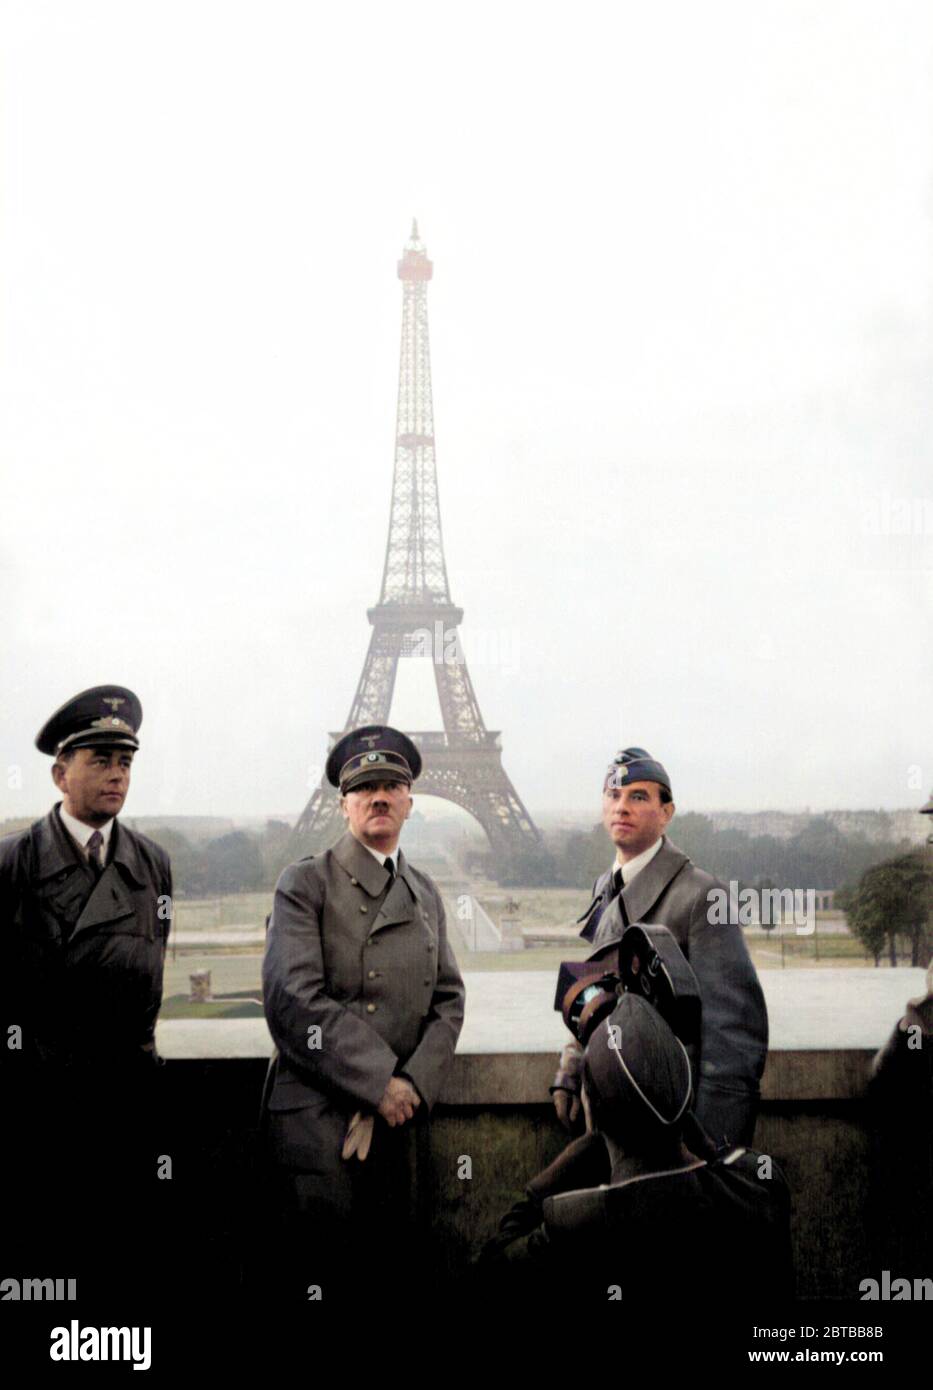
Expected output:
(511, 1011)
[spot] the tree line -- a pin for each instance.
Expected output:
(885, 888)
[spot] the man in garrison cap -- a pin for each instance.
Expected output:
(364, 1001)
(652, 881)
(628, 1212)
(85, 910)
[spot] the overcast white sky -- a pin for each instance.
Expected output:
(680, 331)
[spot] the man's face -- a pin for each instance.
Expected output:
(375, 812)
(634, 817)
(94, 782)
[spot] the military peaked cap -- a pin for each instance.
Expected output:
(373, 753)
(105, 715)
(637, 1072)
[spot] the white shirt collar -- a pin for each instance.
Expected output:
(383, 858)
(635, 866)
(82, 833)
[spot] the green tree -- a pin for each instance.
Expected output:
(894, 899)
(232, 863)
(275, 847)
(531, 867)
(182, 853)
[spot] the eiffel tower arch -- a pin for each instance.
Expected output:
(416, 618)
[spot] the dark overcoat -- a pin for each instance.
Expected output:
(671, 891)
(719, 1229)
(81, 958)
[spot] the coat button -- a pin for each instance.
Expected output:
(355, 882)
(363, 907)
(370, 1008)
(370, 974)
(427, 982)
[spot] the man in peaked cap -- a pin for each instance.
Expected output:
(364, 1001)
(652, 881)
(85, 910)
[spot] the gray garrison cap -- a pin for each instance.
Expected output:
(635, 765)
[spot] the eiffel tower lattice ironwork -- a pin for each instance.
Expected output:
(415, 617)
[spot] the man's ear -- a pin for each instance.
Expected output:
(411, 802)
(669, 809)
(343, 808)
(59, 773)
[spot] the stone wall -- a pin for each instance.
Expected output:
(814, 1122)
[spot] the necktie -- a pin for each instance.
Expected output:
(617, 886)
(93, 852)
(390, 870)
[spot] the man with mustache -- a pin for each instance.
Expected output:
(364, 1000)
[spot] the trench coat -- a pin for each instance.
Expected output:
(359, 984)
(81, 959)
(81, 962)
(671, 891)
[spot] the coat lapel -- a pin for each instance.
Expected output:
(400, 901)
(71, 894)
(645, 888)
(360, 864)
(63, 881)
(56, 852)
(123, 851)
(641, 894)
(402, 898)
(587, 920)
(110, 901)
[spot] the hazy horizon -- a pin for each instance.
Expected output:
(681, 348)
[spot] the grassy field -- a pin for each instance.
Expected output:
(232, 910)
(236, 972)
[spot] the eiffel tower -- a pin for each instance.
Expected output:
(415, 617)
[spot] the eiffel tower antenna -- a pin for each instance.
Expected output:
(415, 617)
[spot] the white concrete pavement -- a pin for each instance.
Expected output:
(511, 1011)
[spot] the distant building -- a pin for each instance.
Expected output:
(196, 829)
(873, 825)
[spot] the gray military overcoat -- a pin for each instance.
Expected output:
(359, 984)
(672, 892)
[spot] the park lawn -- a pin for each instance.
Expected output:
(223, 910)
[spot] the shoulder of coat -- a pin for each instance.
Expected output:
(150, 848)
(686, 868)
(18, 842)
(422, 877)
